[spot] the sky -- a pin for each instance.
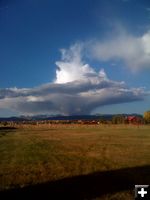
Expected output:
(74, 57)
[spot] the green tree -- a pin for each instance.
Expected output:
(147, 116)
(118, 119)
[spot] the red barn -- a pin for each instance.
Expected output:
(134, 119)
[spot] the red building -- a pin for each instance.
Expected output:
(134, 119)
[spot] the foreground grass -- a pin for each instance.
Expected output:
(32, 155)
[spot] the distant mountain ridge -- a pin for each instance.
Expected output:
(61, 117)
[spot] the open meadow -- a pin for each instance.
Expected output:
(74, 161)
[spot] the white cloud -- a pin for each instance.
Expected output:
(133, 50)
(71, 67)
(78, 89)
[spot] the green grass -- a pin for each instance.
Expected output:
(34, 155)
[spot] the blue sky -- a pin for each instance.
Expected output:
(32, 32)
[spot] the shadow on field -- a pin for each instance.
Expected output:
(5, 128)
(85, 186)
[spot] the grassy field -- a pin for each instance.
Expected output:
(89, 158)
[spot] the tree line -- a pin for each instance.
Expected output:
(116, 119)
(121, 119)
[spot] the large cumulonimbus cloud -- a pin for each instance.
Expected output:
(77, 89)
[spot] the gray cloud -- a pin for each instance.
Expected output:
(78, 89)
(71, 102)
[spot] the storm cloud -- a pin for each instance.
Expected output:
(77, 89)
